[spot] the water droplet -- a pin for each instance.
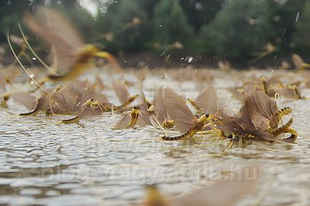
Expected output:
(190, 59)
(297, 17)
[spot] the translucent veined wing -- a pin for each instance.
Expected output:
(159, 104)
(262, 109)
(122, 124)
(255, 125)
(25, 99)
(120, 91)
(86, 95)
(54, 28)
(178, 110)
(298, 62)
(144, 116)
(207, 100)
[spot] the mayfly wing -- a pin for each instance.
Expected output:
(86, 95)
(159, 105)
(122, 124)
(120, 91)
(232, 190)
(178, 110)
(144, 116)
(261, 108)
(53, 28)
(208, 100)
(298, 62)
(25, 99)
(40, 105)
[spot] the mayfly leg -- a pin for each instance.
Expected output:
(19, 62)
(33, 52)
(160, 126)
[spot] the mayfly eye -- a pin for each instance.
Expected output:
(136, 107)
(207, 115)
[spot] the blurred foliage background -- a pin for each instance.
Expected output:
(234, 30)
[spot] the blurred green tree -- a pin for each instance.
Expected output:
(124, 27)
(200, 12)
(170, 24)
(10, 16)
(285, 15)
(301, 38)
(240, 29)
(148, 7)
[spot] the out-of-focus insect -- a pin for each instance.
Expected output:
(41, 105)
(90, 108)
(154, 197)
(224, 66)
(184, 119)
(268, 50)
(123, 95)
(233, 189)
(25, 99)
(284, 65)
(299, 63)
(72, 56)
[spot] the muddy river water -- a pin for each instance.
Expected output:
(45, 163)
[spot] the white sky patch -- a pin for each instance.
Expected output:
(90, 6)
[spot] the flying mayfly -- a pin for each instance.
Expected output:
(71, 56)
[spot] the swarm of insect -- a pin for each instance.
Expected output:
(271, 86)
(259, 118)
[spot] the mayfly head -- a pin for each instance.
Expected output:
(88, 103)
(205, 118)
(151, 109)
(135, 108)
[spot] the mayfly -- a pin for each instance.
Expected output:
(72, 56)
(232, 190)
(299, 63)
(130, 119)
(259, 118)
(44, 102)
(265, 115)
(139, 115)
(160, 110)
(185, 120)
(268, 50)
(90, 108)
(123, 95)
